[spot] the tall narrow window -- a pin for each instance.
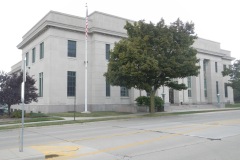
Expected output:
(108, 91)
(205, 87)
(40, 89)
(72, 48)
(205, 62)
(224, 67)
(189, 83)
(226, 89)
(71, 83)
(124, 92)
(42, 50)
(216, 67)
(27, 59)
(107, 51)
(217, 89)
(204, 65)
(33, 55)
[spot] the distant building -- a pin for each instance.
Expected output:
(55, 49)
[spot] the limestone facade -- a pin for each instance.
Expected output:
(47, 46)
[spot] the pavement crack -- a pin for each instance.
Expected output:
(119, 127)
(214, 139)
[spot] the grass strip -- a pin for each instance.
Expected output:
(61, 122)
(26, 120)
(236, 105)
(159, 114)
(92, 114)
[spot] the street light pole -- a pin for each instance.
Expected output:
(22, 99)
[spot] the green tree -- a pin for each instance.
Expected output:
(236, 93)
(234, 72)
(152, 56)
(10, 89)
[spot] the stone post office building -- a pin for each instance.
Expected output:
(55, 53)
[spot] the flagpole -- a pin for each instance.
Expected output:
(86, 61)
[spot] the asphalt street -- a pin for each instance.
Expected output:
(203, 136)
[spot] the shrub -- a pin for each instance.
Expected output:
(145, 101)
(16, 114)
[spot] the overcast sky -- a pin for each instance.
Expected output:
(216, 20)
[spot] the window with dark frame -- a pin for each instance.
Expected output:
(217, 89)
(205, 63)
(107, 51)
(226, 89)
(216, 67)
(40, 90)
(33, 55)
(42, 50)
(27, 59)
(224, 67)
(189, 82)
(71, 83)
(72, 48)
(108, 91)
(124, 92)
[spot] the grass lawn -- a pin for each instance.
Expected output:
(29, 117)
(236, 105)
(40, 117)
(19, 120)
(92, 114)
(158, 114)
(60, 123)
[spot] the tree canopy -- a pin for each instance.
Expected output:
(234, 72)
(152, 56)
(10, 89)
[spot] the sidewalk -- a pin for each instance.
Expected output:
(27, 154)
(169, 109)
(88, 118)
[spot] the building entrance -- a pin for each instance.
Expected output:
(171, 95)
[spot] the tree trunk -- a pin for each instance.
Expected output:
(9, 106)
(152, 102)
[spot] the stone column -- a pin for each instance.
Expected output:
(198, 85)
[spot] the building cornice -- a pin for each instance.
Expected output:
(64, 21)
(108, 32)
(77, 25)
(217, 54)
(42, 28)
(228, 58)
(209, 52)
(110, 15)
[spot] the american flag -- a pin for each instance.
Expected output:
(86, 31)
